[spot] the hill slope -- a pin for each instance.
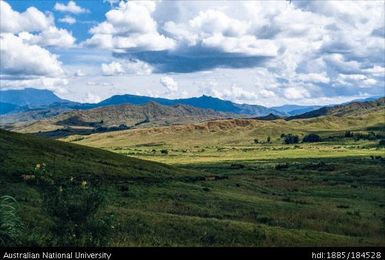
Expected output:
(344, 109)
(19, 153)
(108, 118)
(7, 108)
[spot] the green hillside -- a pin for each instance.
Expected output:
(270, 202)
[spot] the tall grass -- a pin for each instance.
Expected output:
(10, 223)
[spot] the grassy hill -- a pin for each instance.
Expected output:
(225, 134)
(343, 109)
(107, 118)
(233, 203)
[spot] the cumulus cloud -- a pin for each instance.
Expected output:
(52, 36)
(130, 26)
(214, 30)
(31, 20)
(169, 83)
(24, 60)
(19, 58)
(126, 67)
(33, 27)
(68, 19)
(296, 93)
(70, 7)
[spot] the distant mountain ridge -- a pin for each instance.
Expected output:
(292, 110)
(201, 102)
(38, 103)
(29, 97)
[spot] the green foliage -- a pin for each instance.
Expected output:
(10, 224)
(311, 138)
(291, 139)
(227, 195)
(75, 210)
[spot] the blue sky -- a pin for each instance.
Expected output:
(256, 52)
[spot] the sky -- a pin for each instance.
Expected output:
(256, 52)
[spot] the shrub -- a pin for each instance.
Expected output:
(381, 142)
(268, 140)
(164, 151)
(75, 210)
(348, 134)
(291, 139)
(256, 141)
(311, 138)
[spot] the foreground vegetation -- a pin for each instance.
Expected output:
(265, 194)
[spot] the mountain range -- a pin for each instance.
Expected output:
(27, 99)
(32, 110)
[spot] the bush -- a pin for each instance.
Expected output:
(75, 210)
(381, 142)
(164, 151)
(311, 138)
(291, 139)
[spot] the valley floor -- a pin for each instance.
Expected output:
(318, 194)
(213, 192)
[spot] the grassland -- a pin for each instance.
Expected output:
(218, 186)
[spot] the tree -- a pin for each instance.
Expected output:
(256, 141)
(311, 138)
(291, 139)
(268, 139)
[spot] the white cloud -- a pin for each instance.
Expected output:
(130, 27)
(31, 20)
(213, 29)
(314, 77)
(92, 98)
(376, 70)
(34, 27)
(79, 73)
(266, 93)
(126, 67)
(49, 37)
(296, 93)
(70, 7)
(19, 58)
(113, 68)
(169, 83)
(68, 19)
